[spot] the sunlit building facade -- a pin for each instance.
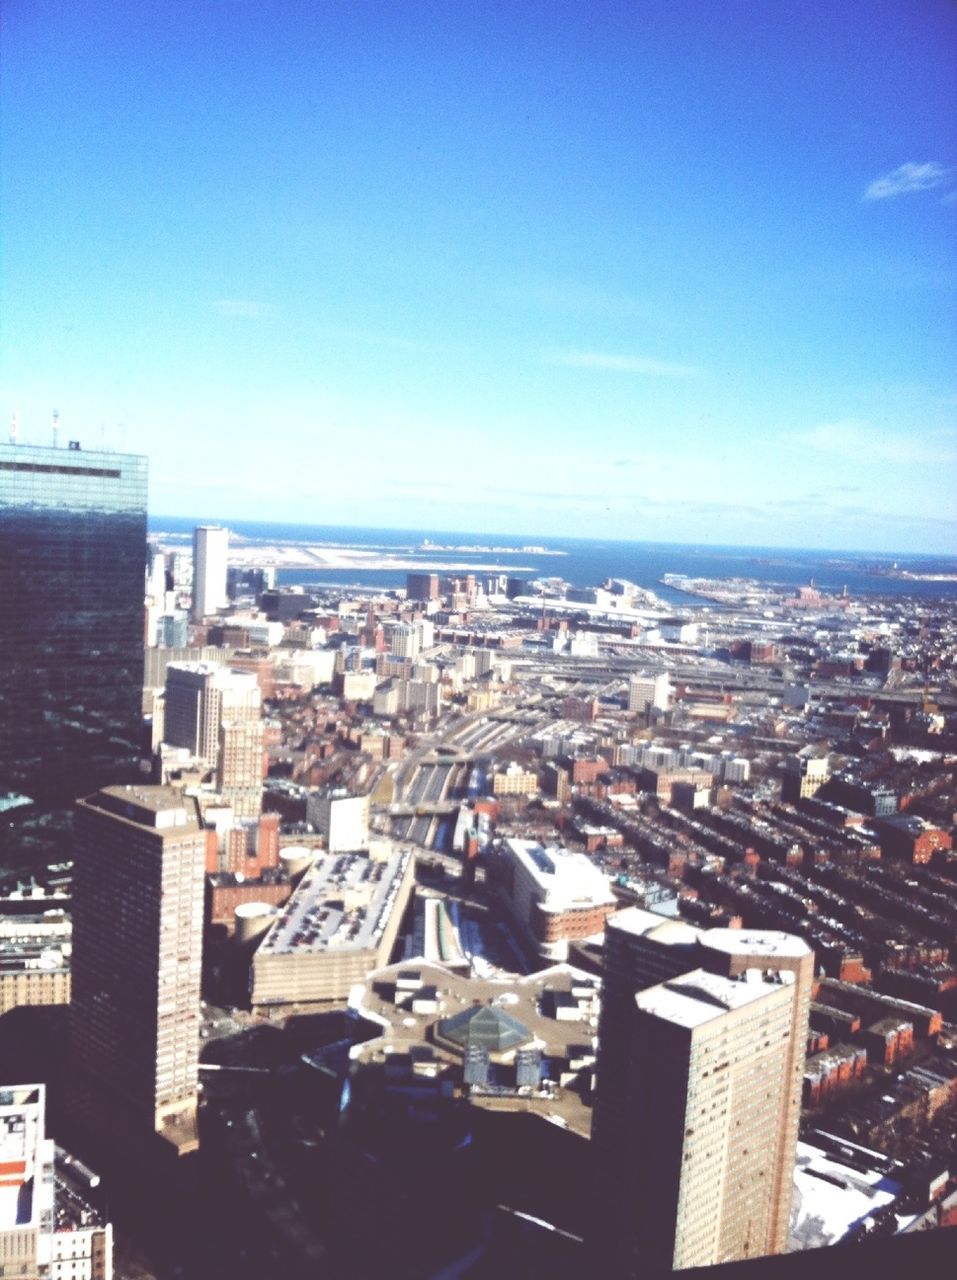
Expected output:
(137, 958)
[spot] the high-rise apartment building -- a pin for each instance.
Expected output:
(647, 692)
(210, 556)
(137, 957)
(657, 1187)
(707, 1060)
(72, 555)
(405, 642)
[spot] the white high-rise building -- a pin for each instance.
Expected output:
(708, 1058)
(210, 556)
(343, 819)
(646, 692)
(425, 631)
(405, 641)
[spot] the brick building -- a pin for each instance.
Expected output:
(553, 895)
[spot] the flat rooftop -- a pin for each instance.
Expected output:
(756, 942)
(35, 949)
(527, 999)
(21, 1141)
(161, 808)
(342, 903)
(831, 1196)
(698, 997)
(642, 924)
(566, 879)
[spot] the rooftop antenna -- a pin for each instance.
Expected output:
(56, 428)
(14, 426)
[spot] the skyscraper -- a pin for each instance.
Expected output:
(707, 1060)
(137, 958)
(658, 1065)
(216, 714)
(210, 554)
(72, 555)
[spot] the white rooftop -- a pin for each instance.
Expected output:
(831, 1197)
(21, 1143)
(698, 997)
(645, 924)
(756, 942)
(566, 879)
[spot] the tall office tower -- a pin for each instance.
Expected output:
(72, 551)
(649, 692)
(644, 950)
(708, 1059)
(199, 698)
(46, 1230)
(216, 714)
(422, 586)
(156, 584)
(425, 631)
(137, 959)
(210, 554)
(239, 767)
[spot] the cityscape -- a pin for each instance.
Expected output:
(478, 640)
(621, 931)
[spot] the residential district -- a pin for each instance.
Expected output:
(482, 924)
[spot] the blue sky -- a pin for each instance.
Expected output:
(669, 271)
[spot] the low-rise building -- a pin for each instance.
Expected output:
(34, 960)
(515, 781)
(340, 923)
(46, 1229)
(554, 895)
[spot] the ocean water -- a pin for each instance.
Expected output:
(588, 562)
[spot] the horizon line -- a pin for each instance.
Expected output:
(546, 539)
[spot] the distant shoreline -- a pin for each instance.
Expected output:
(294, 554)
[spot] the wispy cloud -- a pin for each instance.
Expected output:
(908, 177)
(245, 308)
(577, 297)
(608, 362)
(851, 438)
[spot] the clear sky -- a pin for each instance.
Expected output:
(666, 269)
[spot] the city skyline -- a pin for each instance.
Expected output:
(683, 276)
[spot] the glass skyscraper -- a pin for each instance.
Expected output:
(72, 556)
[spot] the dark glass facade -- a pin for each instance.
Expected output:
(72, 556)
